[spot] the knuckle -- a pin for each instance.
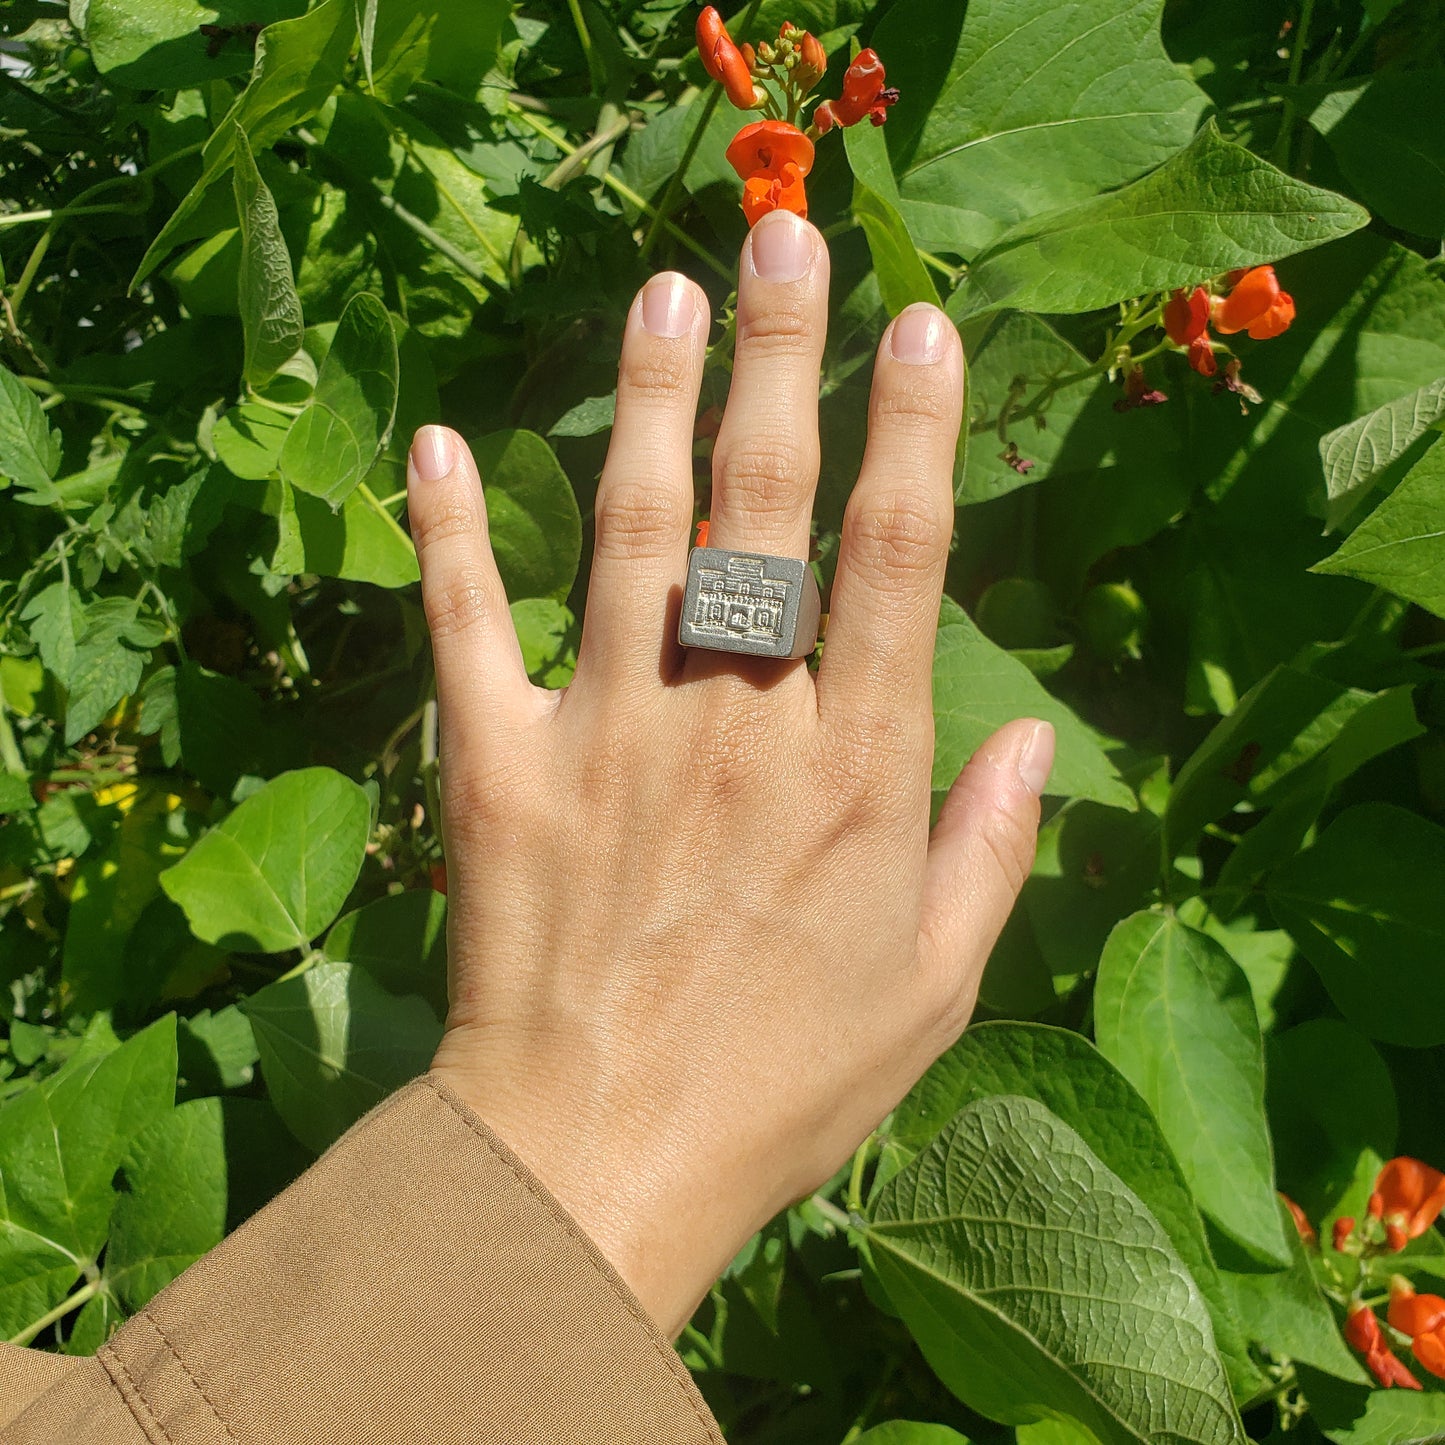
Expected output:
(1009, 835)
(654, 379)
(868, 763)
(458, 602)
(760, 476)
(452, 514)
(902, 533)
(639, 519)
(915, 408)
(783, 329)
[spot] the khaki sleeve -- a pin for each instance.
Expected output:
(415, 1284)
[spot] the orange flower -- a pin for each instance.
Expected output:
(1303, 1227)
(863, 94)
(1408, 1199)
(772, 157)
(702, 531)
(1256, 304)
(1201, 356)
(1344, 1227)
(1186, 315)
(1363, 1331)
(723, 60)
(1422, 1317)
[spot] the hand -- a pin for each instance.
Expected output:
(701, 939)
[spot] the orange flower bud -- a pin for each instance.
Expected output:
(1201, 356)
(1256, 304)
(723, 60)
(1303, 1227)
(1363, 1331)
(1344, 1227)
(702, 531)
(824, 118)
(439, 877)
(812, 62)
(1186, 316)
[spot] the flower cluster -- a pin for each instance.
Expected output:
(1254, 304)
(775, 154)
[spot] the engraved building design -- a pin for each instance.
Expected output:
(739, 601)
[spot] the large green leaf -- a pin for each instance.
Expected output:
(1388, 135)
(1353, 1415)
(1174, 1012)
(1067, 1075)
(902, 276)
(400, 941)
(298, 64)
(112, 650)
(1356, 455)
(1362, 906)
(1012, 107)
(909, 1432)
(1212, 207)
(451, 41)
(273, 873)
(159, 45)
(1037, 1284)
(362, 542)
(1400, 546)
(334, 1043)
(60, 1145)
(1283, 724)
(346, 425)
(29, 450)
(532, 516)
(266, 290)
(977, 687)
(194, 1173)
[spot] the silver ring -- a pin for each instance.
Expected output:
(749, 602)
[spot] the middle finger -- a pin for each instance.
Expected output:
(765, 463)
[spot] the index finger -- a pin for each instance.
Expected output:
(878, 653)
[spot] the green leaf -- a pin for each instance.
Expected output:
(547, 634)
(589, 418)
(362, 542)
(1075, 1082)
(298, 64)
(213, 723)
(1282, 725)
(1037, 1284)
(532, 515)
(401, 943)
(1286, 1313)
(159, 46)
(55, 614)
(909, 1432)
(1388, 135)
(902, 276)
(1361, 905)
(216, 1051)
(266, 289)
(248, 439)
(275, 871)
(450, 41)
(1331, 1099)
(29, 450)
(1352, 1415)
(1356, 455)
(107, 665)
(1213, 207)
(1174, 1012)
(346, 425)
(334, 1043)
(1011, 107)
(1400, 546)
(60, 1145)
(977, 687)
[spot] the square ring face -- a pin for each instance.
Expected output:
(749, 602)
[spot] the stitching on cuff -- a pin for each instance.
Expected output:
(135, 1402)
(669, 1356)
(195, 1383)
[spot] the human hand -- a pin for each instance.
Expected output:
(701, 939)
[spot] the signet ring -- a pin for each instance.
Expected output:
(749, 602)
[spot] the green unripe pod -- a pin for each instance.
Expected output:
(1018, 612)
(1111, 619)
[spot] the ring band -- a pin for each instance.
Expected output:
(749, 602)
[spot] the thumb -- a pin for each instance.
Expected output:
(979, 856)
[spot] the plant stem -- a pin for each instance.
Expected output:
(1280, 154)
(831, 1212)
(855, 1176)
(595, 71)
(68, 1305)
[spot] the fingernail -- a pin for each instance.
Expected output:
(1036, 758)
(917, 336)
(432, 453)
(668, 305)
(780, 247)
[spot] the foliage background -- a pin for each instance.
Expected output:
(238, 272)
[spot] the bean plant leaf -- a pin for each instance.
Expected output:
(29, 450)
(532, 515)
(1037, 1284)
(401, 943)
(910, 1432)
(266, 289)
(1356, 455)
(275, 871)
(977, 687)
(1361, 904)
(362, 542)
(298, 64)
(347, 423)
(1018, 106)
(1174, 1012)
(1067, 1075)
(1388, 135)
(107, 664)
(902, 276)
(1213, 207)
(334, 1043)
(1400, 546)
(61, 1142)
(1353, 1415)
